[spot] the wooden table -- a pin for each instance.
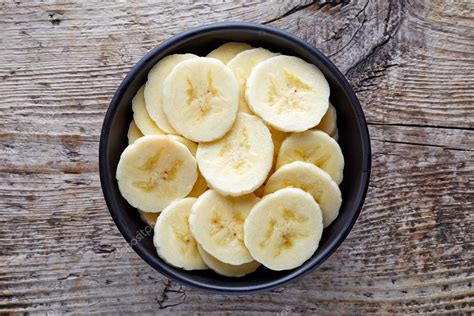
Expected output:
(412, 66)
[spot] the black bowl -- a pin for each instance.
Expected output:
(353, 139)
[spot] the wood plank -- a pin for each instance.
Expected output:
(409, 252)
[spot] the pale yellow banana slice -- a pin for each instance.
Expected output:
(239, 162)
(227, 51)
(283, 229)
(192, 146)
(288, 93)
(277, 138)
(311, 179)
(226, 269)
(315, 147)
(242, 65)
(154, 171)
(173, 239)
(148, 217)
(154, 89)
(201, 99)
(133, 133)
(141, 117)
(217, 221)
(328, 123)
(201, 185)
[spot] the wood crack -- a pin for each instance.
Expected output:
(377, 73)
(420, 144)
(388, 35)
(165, 296)
(319, 3)
(362, 24)
(420, 126)
(290, 12)
(103, 248)
(69, 276)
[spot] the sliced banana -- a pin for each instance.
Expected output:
(311, 179)
(192, 146)
(288, 93)
(315, 147)
(133, 133)
(227, 51)
(154, 171)
(283, 230)
(239, 162)
(173, 239)
(217, 221)
(154, 89)
(328, 123)
(201, 98)
(226, 269)
(277, 138)
(148, 217)
(141, 117)
(242, 65)
(199, 187)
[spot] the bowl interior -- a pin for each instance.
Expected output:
(353, 139)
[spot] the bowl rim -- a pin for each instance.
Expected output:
(164, 268)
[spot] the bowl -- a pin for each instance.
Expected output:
(353, 139)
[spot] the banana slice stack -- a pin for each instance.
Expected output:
(233, 159)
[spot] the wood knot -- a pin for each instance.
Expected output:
(55, 17)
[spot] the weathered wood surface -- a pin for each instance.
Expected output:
(412, 65)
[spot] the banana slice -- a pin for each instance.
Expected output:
(283, 230)
(242, 65)
(154, 171)
(133, 133)
(199, 187)
(315, 147)
(226, 269)
(328, 123)
(154, 89)
(140, 115)
(217, 221)
(227, 51)
(148, 218)
(311, 179)
(239, 162)
(192, 146)
(201, 98)
(277, 138)
(173, 239)
(288, 93)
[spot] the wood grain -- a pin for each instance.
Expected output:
(410, 62)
